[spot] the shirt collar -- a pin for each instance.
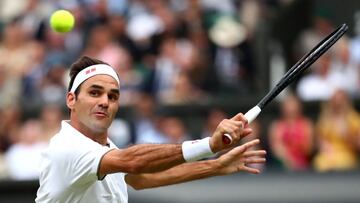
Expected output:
(67, 128)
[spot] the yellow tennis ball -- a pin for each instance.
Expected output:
(62, 21)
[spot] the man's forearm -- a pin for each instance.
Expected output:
(233, 161)
(178, 174)
(143, 158)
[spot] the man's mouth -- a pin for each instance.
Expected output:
(101, 114)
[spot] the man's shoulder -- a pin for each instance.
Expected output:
(60, 139)
(66, 143)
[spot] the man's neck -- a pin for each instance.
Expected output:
(99, 137)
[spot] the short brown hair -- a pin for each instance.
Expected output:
(80, 64)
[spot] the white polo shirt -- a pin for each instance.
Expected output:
(69, 169)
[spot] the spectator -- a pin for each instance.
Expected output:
(131, 77)
(173, 67)
(101, 45)
(345, 69)
(215, 116)
(34, 74)
(9, 9)
(318, 85)
(120, 133)
(8, 88)
(14, 58)
(291, 136)
(52, 85)
(174, 129)
(8, 132)
(50, 116)
(232, 58)
(32, 17)
(9, 126)
(56, 51)
(183, 91)
(23, 157)
(321, 26)
(4, 171)
(143, 30)
(337, 133)
(146, 122)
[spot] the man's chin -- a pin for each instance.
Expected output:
(100, 126)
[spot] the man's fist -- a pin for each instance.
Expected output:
(237, 127)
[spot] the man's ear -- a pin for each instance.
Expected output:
(70, 100)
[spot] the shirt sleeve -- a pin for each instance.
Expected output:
(80, 165)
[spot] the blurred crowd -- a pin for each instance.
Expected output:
(170, 52)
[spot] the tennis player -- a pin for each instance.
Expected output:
(81, 163)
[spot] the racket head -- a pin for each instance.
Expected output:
(305, 62)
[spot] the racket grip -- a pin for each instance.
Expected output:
(250, 117)
(252, 114)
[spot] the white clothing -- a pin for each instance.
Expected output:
(69, 169)
(149, 133)
(20, 166)
(315, 88)
(346, 76)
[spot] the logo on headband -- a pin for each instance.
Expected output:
(90, 71)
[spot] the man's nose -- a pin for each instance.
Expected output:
(104, 101)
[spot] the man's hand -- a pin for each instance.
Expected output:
(237, 127)
(236, 160)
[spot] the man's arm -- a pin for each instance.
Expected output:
(231, 162)
(150, 158)
(142, 158)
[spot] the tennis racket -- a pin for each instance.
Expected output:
(293, 73)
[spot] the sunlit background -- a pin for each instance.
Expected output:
(184, 66)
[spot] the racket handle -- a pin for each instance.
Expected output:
(252, 114)
(250, 117)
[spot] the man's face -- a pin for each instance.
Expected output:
(97, 103)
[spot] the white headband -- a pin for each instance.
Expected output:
(90, 71)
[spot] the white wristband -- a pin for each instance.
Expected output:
(194, 150)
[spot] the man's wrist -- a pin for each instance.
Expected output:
(216, 167)
(213, 145)
(195, 150)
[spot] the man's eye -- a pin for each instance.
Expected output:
(94, 93)
(113, 97)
